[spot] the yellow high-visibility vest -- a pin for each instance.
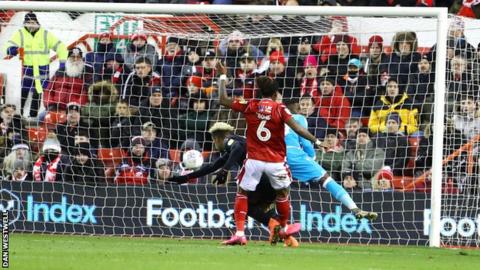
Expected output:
(37, 50)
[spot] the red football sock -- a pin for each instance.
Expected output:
(283, 209)
(240, 211)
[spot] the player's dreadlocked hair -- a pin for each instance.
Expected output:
(268, 86)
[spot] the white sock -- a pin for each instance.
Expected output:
(240, 233)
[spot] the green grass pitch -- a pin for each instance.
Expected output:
(33, 251)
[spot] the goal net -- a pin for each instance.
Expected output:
(110, 105)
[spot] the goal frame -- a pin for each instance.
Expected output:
(441, 14)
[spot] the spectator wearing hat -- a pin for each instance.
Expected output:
(156, 110)
(338, 63)
(193, 61)
(334, 107)
(104, 47)
(194, 124)
(20, 171)
(113, 70)
(361, 164)
(20, 151)
(154, 146)
(316, 125)
(274, 44)
(234, 46)
(163, 170)
(421, 89)
(278, 71)
(375, 56)
(330, 156)
(404, 58)
(394, 100)
(395, 144)
(84, 168)
(301, 49)
(309, 84)
(356, 88)
(69, 84)
(12, 130)
(245, 74)
(138, 83)
(74, 126)
(37, 43)
(135, 168)
(208, 70)
(50, 165)
(123, 125)
(103, 98)
(137, 48)
(170, 67)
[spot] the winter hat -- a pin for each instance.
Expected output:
(76, 51)
(30, 16)
(364, 130)
(20, 146)
(355, 62)
(137, 140)
(305, 39)
(375, 39)
(141, 36)
(51, 143)
(395, 117)
(385, 173)
(73, 106)
(310, 60)
(341, 38)
(173, 40)
(84, 149)
(236, 35)
(195, 80)
(330, 79)
(156, 89)
(148, 125)
(210, 54)
(277, 56)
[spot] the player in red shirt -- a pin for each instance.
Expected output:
(266, 151)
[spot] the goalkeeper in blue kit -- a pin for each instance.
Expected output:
(300, 159)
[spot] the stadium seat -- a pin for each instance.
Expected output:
(110, 157)
(175, 155)
(36, 137)
(53, 118)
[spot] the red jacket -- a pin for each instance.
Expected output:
(63, 89)
(335, 109)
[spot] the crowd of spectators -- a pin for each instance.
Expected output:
(364, 105)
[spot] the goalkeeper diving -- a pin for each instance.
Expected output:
(301, 161)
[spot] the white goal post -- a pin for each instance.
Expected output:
(440, 14)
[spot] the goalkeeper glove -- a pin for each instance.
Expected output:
(220, 177)
(12, 50)
(318, 144)
(179, 179)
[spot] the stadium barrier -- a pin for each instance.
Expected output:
(151, 211)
